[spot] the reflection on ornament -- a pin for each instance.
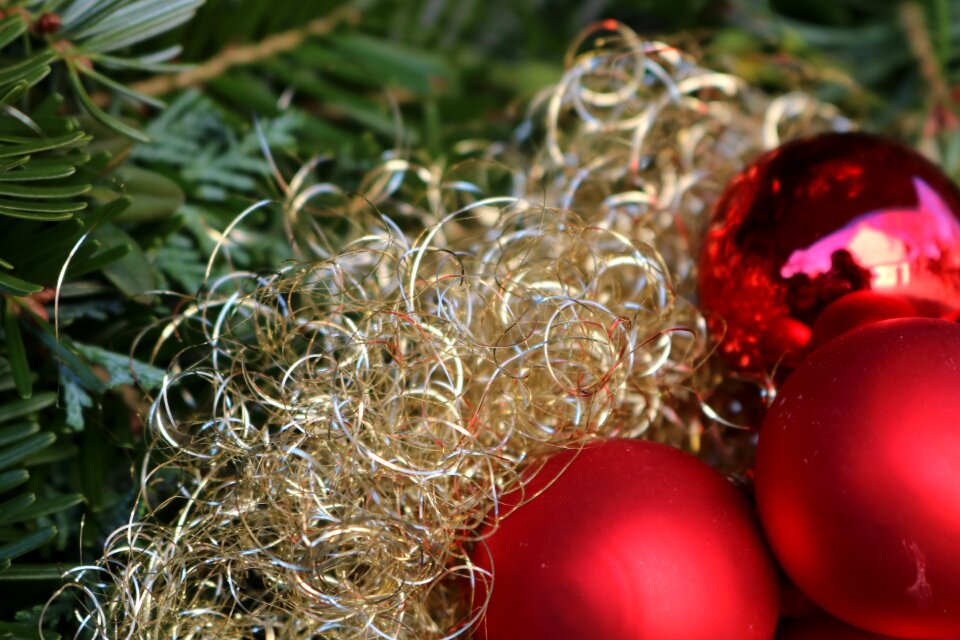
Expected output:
(891, 244)
(816, 220)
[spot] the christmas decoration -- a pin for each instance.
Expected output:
(338, 429)
(856, 477)
(855, 310)
(300, 420)
(815, 220)
(628, 539)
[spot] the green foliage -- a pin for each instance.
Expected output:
(211, 159)
(93, 31)
(119, 370)
(66, 198)
(42, 154)
(868, 41)
(86, 39)
(39, 182)
(25, 516)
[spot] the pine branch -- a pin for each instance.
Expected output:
(918, 35)
(247, 54)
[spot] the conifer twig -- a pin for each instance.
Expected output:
(914, 24)
(244, 54)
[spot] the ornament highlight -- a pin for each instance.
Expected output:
(857, 478)
(628, 539)
(815, 220)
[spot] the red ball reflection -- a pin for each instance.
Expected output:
(815, 220)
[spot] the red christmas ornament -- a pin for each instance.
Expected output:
(824, 627)
(858, 477)
(634, 540)
(818, 219)
(855, 310)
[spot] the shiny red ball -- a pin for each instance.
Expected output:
(815, 220)
(858, 477)
(634, 540)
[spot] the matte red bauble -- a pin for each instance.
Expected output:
(858, 477)
(634, 540)
(856, 310)
(823, 627)
(815, 220)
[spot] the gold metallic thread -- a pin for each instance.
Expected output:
(333, 435)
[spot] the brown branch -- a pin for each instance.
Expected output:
(914, 24)
(243, 55)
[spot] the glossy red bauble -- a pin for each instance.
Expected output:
(634, 540)
(858, 477)
(818, 219)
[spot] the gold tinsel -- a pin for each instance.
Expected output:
(333, 435)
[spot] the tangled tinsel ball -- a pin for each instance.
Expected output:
(333, 435)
